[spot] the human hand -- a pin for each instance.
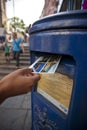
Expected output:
(18, 82)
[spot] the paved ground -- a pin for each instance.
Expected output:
(15, 113)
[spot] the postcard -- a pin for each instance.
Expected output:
(46, 64)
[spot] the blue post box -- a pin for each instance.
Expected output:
(61, 103)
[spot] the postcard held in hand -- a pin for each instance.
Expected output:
(46, 64)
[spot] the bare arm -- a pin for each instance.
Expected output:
(22, 46)
(18, 82)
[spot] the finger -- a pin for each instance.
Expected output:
(25, 71)
(33, 79)
(36, 77)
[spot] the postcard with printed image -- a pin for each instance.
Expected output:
(46, 64)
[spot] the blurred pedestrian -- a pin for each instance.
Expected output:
(16, 47)
(84, 4)
(7, 52)
(2, 34)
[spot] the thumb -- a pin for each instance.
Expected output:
(36, 77)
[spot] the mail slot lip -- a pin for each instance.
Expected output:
(61, 21)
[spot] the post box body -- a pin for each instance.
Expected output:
(62, 34)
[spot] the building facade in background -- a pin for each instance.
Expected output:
(50, 7)
(2, 12)
(55, 6)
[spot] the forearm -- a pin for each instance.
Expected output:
(2, 93)
(6, 89)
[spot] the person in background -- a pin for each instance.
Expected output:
(84, 5)
(2, 34)
(16, 46)
(26, 34)
(18, 82)
(7, 52)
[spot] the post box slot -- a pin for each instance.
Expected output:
(57, 87)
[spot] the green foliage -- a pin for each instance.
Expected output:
(17, 24)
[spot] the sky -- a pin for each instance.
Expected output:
(28, 10)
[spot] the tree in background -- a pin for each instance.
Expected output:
(17, 24)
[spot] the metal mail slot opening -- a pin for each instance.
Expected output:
(57, 87)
